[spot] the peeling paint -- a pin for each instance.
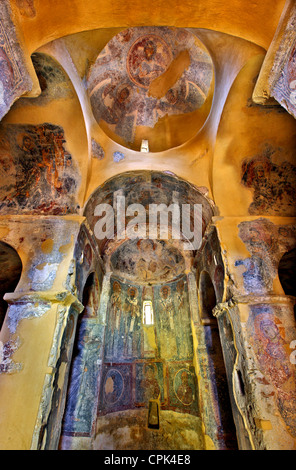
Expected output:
(20, 311)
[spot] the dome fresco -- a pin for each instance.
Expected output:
(147, 226)
(144, 74)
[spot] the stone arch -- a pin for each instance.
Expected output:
(167, 344)
(145, 187)
(83, 375)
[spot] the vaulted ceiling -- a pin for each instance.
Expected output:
(99, 100)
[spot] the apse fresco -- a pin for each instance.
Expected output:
(146, 360)
(141, 359)
(273, 184)
(38, 174)
(145, 73)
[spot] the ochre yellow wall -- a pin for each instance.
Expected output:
(253, 21)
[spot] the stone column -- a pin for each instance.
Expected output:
(207, 400)
(263, 373)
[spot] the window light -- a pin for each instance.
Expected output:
(148, 313)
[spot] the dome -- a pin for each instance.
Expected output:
(151, 83)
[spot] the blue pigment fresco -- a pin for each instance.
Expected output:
(140, 360)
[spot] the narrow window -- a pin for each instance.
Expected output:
(148, 313)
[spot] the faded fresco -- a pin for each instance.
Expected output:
(284, 89)
(267, 324)
(85, 367)
(97, 150)
(152, 360)
(267, 336)
(266, 243)
(273, 184)
(11, 268)
(131, 83)
(26, 8)
(38, 174)
(53, 81)
(87, 264)
(209, 258)
(7, 350)
(145, 188)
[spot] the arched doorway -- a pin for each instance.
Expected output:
(10, 273)
(287, 273)
(82, 391)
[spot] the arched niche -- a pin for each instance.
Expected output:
(137, 354)
(10, 273)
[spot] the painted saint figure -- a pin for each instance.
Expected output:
(167, 315)
(184, 392)
(133, 324)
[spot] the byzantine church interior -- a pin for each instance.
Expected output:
(119, 332)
